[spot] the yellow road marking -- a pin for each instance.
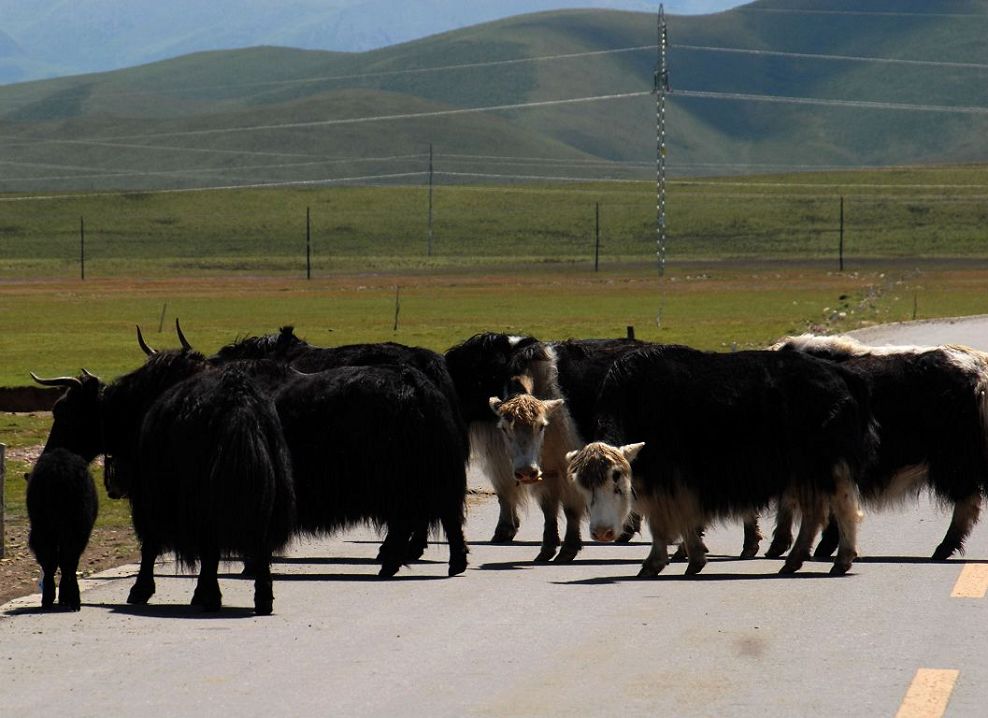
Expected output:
(973, 581)
(928, 694)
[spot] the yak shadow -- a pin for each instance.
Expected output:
(918, 559)
(611, 580)
(352, 577)
(175, 610)
(341, 561)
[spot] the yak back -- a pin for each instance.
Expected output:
(581, 366)
(739, 428)
(213, 469)
(372, 444)
(283, 346)
(929, 411)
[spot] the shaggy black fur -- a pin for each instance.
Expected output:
(62, 507)
(376, 444)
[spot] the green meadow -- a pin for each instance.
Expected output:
(938, 212)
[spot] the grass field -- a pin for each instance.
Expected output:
(930, 213)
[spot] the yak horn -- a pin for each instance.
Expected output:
(143, 344)
(181, 337)
(88, 374)
(68, 381)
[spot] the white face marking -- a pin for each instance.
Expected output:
(522, 421)
(513, 340)
(603, 474)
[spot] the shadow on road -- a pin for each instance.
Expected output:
(609, 580)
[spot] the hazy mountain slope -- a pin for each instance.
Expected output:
(270, 85)
(77, 36)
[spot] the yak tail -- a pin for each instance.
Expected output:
(250, 473)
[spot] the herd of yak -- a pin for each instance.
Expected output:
(235, 454)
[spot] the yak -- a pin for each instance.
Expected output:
(931, 404)
(62, 506)
(686, 437)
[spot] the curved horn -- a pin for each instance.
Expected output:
(88, 374)
(68, 381)
(143, 344)
(181, 337)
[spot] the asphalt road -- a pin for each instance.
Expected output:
(509, 638)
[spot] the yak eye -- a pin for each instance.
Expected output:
(616, 475)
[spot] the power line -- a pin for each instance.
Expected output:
(256, 185)
(875, 13)
(383, 118)
(865, 104)
(369, 75)
(109, 172)
(840, 58)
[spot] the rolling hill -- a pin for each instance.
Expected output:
(170, 121)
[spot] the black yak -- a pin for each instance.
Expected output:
(721, 435)
(286, 349)
(62, 505)
(210, 451)
(931, 404)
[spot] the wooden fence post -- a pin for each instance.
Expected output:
(3, 502)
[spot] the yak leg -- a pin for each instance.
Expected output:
(143, 587)
(752, 536)
(509, 497)
(966, 512)
(658, 557)
(682, 552)
(572, 542)
(812, 510)
(394, 548)
(207, 594)
(549, 503)
(632, 526)
(829, 539)
(418, 543)
(847, 513)
(782, 534)
(263, 586)
(47, 556)
(453, 527)
(696, 551)
(68, 584)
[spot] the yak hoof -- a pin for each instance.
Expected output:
(749, 551)
(208, 601)
(625, 537)
(457, 565)
(546, 554)
(504, 533)
(69, 598)
(648, 572)
(567, 554)
(695, 567)
(680, 554)
(415, 551)
(943, 552)
(140, 593)
(389, 569)
(777, 548)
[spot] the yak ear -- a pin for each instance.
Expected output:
(570, 455)
(630, 451)
(552, 404)
(495, 404)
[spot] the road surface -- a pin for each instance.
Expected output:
(509, 638)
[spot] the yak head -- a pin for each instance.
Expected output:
(77, 415)
(522, 420)
(603, 474)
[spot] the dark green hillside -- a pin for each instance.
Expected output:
(87, 132)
